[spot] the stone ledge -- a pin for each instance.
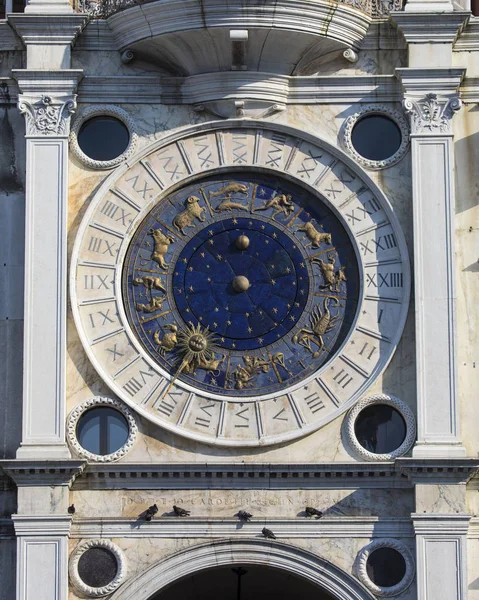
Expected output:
(42, 473)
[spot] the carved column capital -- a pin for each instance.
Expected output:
(432, 114)
(47, 101)
(47, 116)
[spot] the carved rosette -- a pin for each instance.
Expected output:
(432, 114)
(48, 115)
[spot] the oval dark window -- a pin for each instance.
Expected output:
(376, 137)
(97, 567)
(103, 138)
(380, 429)
(102, 430)
(386, 567)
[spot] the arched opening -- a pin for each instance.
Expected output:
(276, 570)
(241, 583)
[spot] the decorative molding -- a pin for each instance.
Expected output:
(431, 114)
(473, 531)
(341, 527)
(470, 90)
(247, 86)
(232, 476)
(426, 28)
(47, 99)
(449, 471)
(110, 111)
(81, 586)
(31, 473)
(47, 29)
(229, 109)
(375, 109)
(291, 559)
(469, 39)
(389, 400)
(48, 116)
(78, 411)
(42, 525)
(360, 567)
(440, 525)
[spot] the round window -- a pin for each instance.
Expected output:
(380, 429)
(376, 137)
(102, 430)
(103, 138)
(386, 567)
(97, 567)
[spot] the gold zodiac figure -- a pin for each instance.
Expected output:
(162, 242)
(186, 217)
(244, 375)
(332, 278)
(229, 189)
(315, 237)
(150, 282)
(321, 324)
(197, 346)
(279, 204)
(169, 340)
(152, 306)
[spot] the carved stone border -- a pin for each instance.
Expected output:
(389, 400)
(105, 110)
(79, 410)
(361, 573)
(375, 109)
(96, 592)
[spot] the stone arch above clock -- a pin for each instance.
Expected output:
(242, 153)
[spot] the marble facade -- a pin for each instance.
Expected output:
(425, 500)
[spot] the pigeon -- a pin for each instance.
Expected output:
(151, 512)
(268, 534)
(180, 512)
(244, 516)
(71, 509)
(311, 512)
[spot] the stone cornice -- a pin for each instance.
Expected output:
(417, 82)
(217, 528)
(230, 86)
(42, 473)
(430, 28)
(438, 471)
(241, 476)
(47, 30)
(469, 39)
(439, 524)
(42, 525)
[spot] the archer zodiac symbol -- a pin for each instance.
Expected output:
(321, 324)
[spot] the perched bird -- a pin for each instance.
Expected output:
(311, 512)
(180, 512)
(268, 534)
(71, 509)
(151, 512)
(244, 516)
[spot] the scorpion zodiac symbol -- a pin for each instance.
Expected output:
(321, 324)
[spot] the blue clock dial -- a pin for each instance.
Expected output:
(241, 287)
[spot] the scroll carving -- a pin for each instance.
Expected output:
(432, 114)
(49, 116)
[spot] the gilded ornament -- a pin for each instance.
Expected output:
(152, 306)
(150, 283)
(192, 211)
(280, 204)
(197, 348)
(229, 189)
(243, 376)
(315, 237)
(162, 243)
(168, 342)
(333, 278)
(321, 324)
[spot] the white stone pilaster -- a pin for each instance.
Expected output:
(441, 556)
(429, 6)
(42, 556)
(47, 100)
(431, 99)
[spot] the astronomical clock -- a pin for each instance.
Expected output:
(240, 284)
